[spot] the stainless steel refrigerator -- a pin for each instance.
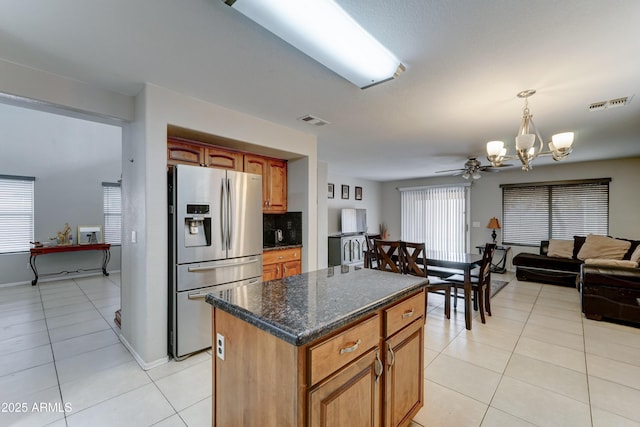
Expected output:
(215, 221)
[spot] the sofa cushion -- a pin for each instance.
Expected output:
(632, 248)
(546, 262)
(611, 262)
(596, 246)
(560, 248)
(635, 256)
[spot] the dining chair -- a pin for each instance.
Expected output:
(388, 255)
(480, 285)
(413, 255)
(370, 252)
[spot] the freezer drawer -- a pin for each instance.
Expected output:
(200, 274)
(192, 323)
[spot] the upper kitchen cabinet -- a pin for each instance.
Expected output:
(274, 181)
(184, 152)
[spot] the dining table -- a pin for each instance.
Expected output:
(464, 262)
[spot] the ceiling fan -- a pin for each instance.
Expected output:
(472, 168)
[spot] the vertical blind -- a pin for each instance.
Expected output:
(557, 210)
(112, 207)
(435, 216)
(16, 213)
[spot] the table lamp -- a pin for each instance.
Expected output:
(494, 224)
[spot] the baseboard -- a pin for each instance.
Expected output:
(57, 278)
(144, 365)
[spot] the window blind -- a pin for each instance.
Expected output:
(555, 210)
(16, 213)
(112, 207)
(435, 216)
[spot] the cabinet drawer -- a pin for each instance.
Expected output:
(282, 255)
(403, 313)
(334, 353)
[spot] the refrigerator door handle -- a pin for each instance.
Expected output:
(223, 216)
(230, 213)
(213, 267)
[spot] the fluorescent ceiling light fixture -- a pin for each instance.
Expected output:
(324, 31)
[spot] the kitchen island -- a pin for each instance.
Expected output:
(334, 347)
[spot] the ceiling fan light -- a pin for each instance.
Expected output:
(495, 148)
(466, 175)
(562, 140)
(476, 175)
(525, 141)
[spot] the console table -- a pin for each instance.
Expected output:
(35, 252)
(499, 266)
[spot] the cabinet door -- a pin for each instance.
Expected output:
(404, 374)
(220, 158)
(349, 398)
(291, 268)
(184, 154)
(258, 165)
(277, 186)
(271, 272)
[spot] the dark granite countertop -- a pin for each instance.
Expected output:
(302, 308)
(274, 247)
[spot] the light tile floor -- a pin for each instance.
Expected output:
(535, 362)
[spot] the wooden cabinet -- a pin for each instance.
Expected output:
(346, 249)
(185, 152)
(351, 397)
(274, 181)
(369, 373)
(216, 157)
(279, 263)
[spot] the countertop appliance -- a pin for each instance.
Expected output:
(215, 221)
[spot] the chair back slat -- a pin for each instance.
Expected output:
(413, 259)
(485, 267)
(388, 255)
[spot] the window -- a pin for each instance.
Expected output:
(435, 215)
(554, 210)
(16, 213)
(112, 207)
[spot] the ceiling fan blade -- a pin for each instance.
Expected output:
(451, 170)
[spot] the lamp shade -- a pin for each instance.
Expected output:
(494, 224)
(562, 140)
(495, 148)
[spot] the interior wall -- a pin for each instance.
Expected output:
(70, 158)
(486, 196)
(323, 243)
(371, 201)
(145, 264)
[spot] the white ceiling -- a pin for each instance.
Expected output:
(465, 61)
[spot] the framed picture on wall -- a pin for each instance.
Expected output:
(345, 191)
(89, 234)
(331, 193)
(358, 194)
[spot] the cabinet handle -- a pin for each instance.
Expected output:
(379, 367)
(281, 256)
(353, 348)
(391, 356)
(284, 269)
(407, 313)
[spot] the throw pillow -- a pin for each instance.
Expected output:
(611, 262)
(596, 246)
(560, 248)
(635, 256)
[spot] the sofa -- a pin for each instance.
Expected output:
(559, 261)
(610, 292)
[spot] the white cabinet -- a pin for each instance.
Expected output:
(346, 249)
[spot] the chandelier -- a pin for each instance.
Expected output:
(526, 148)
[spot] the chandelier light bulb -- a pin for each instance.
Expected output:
(495, 148)
(562, 140)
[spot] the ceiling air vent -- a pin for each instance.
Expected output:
(313, 120)
(612, 103)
